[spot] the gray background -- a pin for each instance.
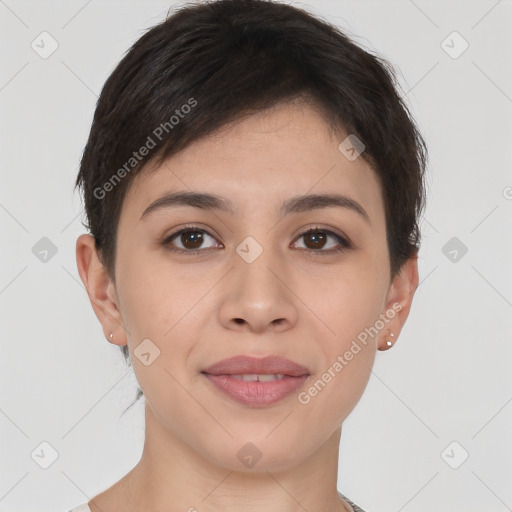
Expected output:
(448, 377)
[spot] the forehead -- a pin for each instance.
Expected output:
(285, 151)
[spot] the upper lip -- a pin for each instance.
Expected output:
(253, 365)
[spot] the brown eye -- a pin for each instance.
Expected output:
(191, 240)
(317, 240)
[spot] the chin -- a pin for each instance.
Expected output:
(257, 454)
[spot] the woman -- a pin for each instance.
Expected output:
(252, 183)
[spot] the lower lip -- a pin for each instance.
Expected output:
(256, 394)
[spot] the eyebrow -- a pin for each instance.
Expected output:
(297, 204)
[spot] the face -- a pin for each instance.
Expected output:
(251, 281)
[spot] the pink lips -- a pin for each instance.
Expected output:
(255, 393)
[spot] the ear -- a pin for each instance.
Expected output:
(101, 290)
(399, 301)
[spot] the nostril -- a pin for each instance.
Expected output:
(239, 320)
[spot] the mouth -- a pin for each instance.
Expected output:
(256, 382)
(250, 365)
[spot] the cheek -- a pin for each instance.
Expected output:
(334, 391)
(346, 301)
(349, 306)
(161, 307)
(154, 296)
(348, 358)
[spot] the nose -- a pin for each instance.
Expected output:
(257, 297)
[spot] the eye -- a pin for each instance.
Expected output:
(191, 239)
(315, 239)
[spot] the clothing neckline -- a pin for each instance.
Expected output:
(85, 507)
(355, 508)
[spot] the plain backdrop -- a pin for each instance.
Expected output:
(432, 431)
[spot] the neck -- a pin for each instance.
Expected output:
(172, 472)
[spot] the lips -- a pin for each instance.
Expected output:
(256, 382)
(248, 365)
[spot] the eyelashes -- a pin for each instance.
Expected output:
(312, 233)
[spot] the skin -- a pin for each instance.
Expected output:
(292, 301)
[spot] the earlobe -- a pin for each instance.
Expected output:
(100, 289)
(399, 301)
